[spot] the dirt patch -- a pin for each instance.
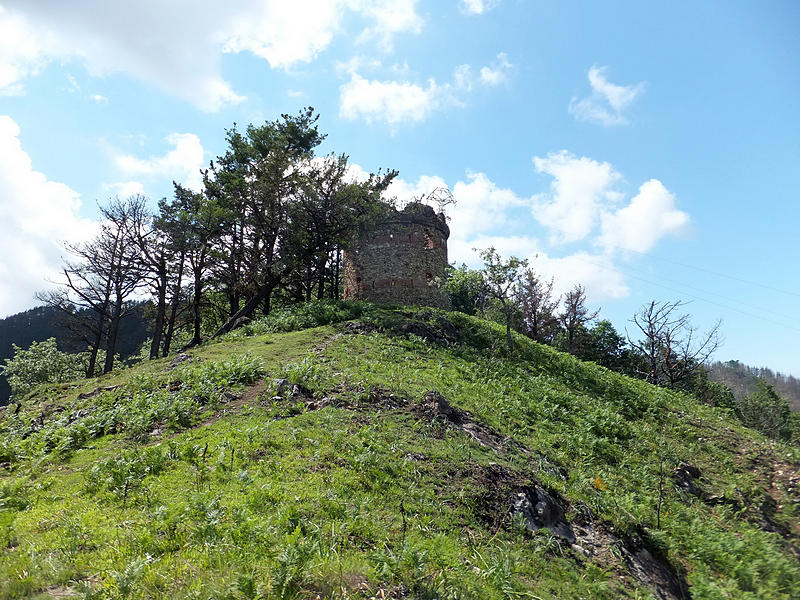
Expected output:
(436, 406)
(97, 391)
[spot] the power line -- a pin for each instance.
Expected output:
(696, 297)
(627, 268)
(711, 271)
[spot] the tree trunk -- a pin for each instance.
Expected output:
(323, 261)
(95, 348)
(111, 340)
(161, 310)
(335, 286)
(176, 297)
(264, 295)
(197, 318)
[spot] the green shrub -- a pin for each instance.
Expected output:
(765, 411)
(305, 316)
(42, 362)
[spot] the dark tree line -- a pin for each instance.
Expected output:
(269, 224)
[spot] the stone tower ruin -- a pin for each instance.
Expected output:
(397, 260)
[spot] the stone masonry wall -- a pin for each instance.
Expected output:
(397, 260)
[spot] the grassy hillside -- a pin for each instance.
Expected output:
(402, 454)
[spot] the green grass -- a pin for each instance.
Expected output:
(199, 482)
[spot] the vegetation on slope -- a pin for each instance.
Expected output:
(316, 463)
(743, 380)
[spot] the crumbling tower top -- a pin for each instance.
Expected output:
(397, 260)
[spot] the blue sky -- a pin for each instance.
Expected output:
(646, 150)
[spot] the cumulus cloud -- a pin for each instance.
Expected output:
(390, 101)
(182, 163)
(498, 73)
(607, 102)
(394, 102)
(650, 216)
(477, 7)
(125, 189)
(581, 188)
(36, 215)
(582, 205)
(177, 46)
(389, 18)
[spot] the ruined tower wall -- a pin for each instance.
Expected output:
(396, 261)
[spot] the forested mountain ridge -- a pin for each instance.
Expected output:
(43, 322)
(388, 453)
(742, 380)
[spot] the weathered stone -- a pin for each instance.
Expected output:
(282, 387)
(684, 476)
(179, 358)
(398, 260)
(539, 509)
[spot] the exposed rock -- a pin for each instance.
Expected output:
(443, 332)
(359, 327)
(684, 476)
(228, 396)
(282, 387)
(538, 508)
(97, 391)
(655, 574)
(181, 357)
(434, 405)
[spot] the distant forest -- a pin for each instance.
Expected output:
(743, 380)
(43, 322)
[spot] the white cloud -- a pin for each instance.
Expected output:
(650, 216)
(181, 164)
(395, 101)
(98, 98)
(477, 7)
(125, 189)
(177, 46)
(389, 101)
(73, 84)
(581, 206)
(607, 102)
(389, 17)
(36, 215)
(481, 205)
(596, 272)
(497, 74)
(581, 189)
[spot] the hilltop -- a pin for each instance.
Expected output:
(347, 451)
(743, 380)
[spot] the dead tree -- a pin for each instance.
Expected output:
(535, 297)
(672, 347)
(574, 317)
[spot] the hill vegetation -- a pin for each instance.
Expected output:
(44, 322)
(342, 450)
(743, 380)
(516, 447)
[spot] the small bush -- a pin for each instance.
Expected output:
(41, 362)
(306, 315)
(765, 411)
(124, 474)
